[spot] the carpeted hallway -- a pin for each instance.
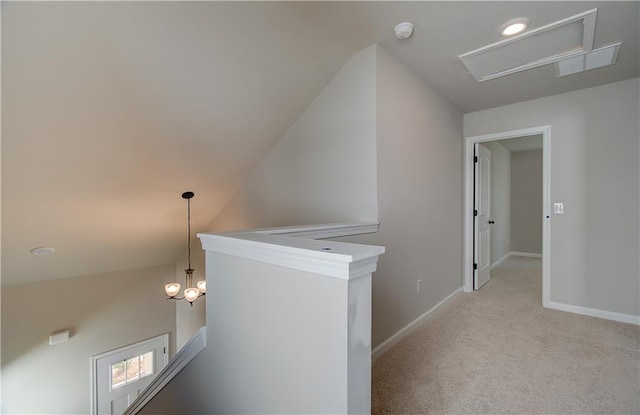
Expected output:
(498, 351)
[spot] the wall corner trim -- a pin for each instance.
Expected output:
(298, 248)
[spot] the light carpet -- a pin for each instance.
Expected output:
(498, 351)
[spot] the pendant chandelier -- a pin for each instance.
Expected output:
(191, 293)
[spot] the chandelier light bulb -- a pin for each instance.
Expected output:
(172, 289)
(202, 286)
(191, 294)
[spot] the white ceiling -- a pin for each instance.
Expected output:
(110, 110)
(530, 142)
(446, 29)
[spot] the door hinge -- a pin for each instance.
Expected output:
(475, 212)
(164, 350)
(475, 159)
(475, 266)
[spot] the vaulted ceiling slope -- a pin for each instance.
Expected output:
(110, 110)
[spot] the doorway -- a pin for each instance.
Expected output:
(469, 218)
(120, 375)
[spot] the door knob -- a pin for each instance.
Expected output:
(491, 222)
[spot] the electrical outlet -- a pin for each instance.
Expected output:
(418, 286)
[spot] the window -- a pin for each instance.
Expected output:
(132, 369)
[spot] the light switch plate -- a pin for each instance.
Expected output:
(558, 208)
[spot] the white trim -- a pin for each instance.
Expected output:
(501, 260)
(333, 230)
(594, 312)
(525, 254)
(545, 130)
(409, 328)
(514, 253)
(190, 350)
(332, 259)
(546, 216)
(94, 362)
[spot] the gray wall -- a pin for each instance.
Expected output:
(500, 200)
(414, 137)
(419, 198)
(526, 201)
(103, 312)
(595, 142)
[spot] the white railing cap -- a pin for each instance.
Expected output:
(291, 247)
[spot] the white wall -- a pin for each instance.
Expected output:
(103, 312)
(595, 172)
(526, 201)
(279, 340)
(500, 200)
(324, 168)
(270, 314)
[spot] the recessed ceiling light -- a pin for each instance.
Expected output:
(514, 26)
(43, 250)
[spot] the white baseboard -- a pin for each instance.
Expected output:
(594, 312)
(501, 260)
(409, 328)
(527, 254)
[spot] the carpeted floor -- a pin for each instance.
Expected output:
(498, 351)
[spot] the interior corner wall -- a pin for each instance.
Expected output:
(377, 142)
(103, 312)
(526, 201)
(324, 168)
(500, 200)
(595, 172)
(420, 189)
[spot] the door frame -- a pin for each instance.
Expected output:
(94, 362)
(545, 130)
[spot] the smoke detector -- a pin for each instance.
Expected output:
(403, 30)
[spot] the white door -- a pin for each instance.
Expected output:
(482, 217)
(119, 376)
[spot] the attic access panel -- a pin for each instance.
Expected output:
(597, 58)
(542, 46)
